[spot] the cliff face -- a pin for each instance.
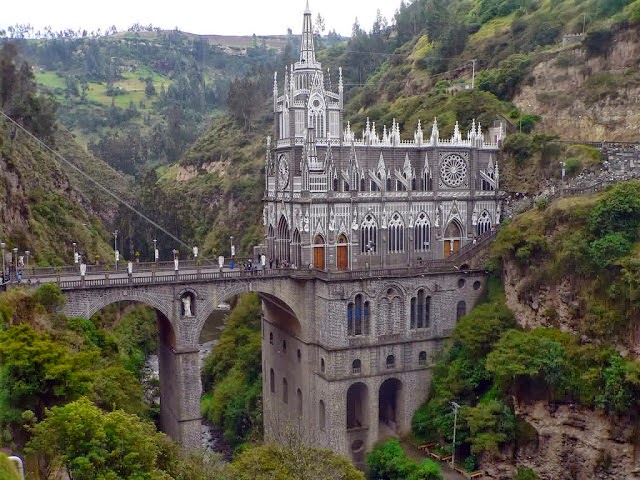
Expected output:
(583, 96)
(40, 208)
(569, 442)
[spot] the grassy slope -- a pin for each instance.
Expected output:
(41, 210)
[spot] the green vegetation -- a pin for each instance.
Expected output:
(232, 375)
(387, 461)
(7, 469)
(595, 244)
(492, 363)
(47, 359)
(293, 461)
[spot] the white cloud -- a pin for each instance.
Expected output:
(244, 17)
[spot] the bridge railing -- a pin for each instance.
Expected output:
(35, 271)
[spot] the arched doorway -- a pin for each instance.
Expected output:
(452, 238)
(390, 408)
(296, 246)
(342, 255)
(318, 252)
(357, 406)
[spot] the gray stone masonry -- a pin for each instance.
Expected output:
(333, 386)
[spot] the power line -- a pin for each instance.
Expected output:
(91, 179)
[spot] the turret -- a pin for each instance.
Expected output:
(307, 49)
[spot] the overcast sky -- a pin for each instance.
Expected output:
(239, 17)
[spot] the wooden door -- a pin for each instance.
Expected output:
(447, 248)
(456, 245)
(343, 257)
(318, 257)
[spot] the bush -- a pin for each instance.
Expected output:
(50, 296)
(519, 147)
(573, 167)
(387, 461)
(525, 473)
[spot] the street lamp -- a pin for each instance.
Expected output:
(3, 245)
(15, 259)
(233, 248)
(455, 407)
(75, 252)
(175, 259)
(27, 253)
(156, 254)
(115, 248)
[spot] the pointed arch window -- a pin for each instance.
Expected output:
(368, 236)
(422, 233)
(358, 317)
(335, 184)
(283, 241)
(389, 184)
(363, 185)
(296, 247)
(484, 223)
(396, 234)
(422, 358)
(427, 181)
(420, 310)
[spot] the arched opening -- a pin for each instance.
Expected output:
(484, 223)
(321, 415)
(357, 406)
(390, 407)
(391, 361)
(422, 358)
(299, 402)
(356, 366)
(452, 238)
(283, 242)
(461, 309)
(156, 350)
(272, 381)
(296, 247)
(188, 304)
(318, 252)
(285, 390)
(342, 254)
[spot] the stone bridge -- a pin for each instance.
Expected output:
(346, 355)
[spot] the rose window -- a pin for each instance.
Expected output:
(453, 170)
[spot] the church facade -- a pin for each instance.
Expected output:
(335, 200)
(358, 365)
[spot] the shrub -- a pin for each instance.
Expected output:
(573, 167)
(519, 147)
(50, 296)
(525, 473)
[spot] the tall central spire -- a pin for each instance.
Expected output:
(307, 50)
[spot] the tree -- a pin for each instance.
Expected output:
(292, 462)
(7, 469)
(387, 461)
(92, 444)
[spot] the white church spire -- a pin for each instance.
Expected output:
(307, 50)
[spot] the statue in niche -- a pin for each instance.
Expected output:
(411, 220)
(354, 224)
(498, 212)
(186, 306)
(439, 216)
(474, 218)
(332, 220)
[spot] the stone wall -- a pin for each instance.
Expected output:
(306, 343)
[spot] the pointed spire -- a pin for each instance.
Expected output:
(407, 166)
(435, 133)
(381, 167)
(307, 49)
(275, 90)
(418, 137)
(456, 137)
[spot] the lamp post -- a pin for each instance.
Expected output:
(233, 248)
(115, 248)
(156, 254)
(27, 253)
(3, 245)
(15, 260)
(175, 260)
(75, 253)
(456, 407)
